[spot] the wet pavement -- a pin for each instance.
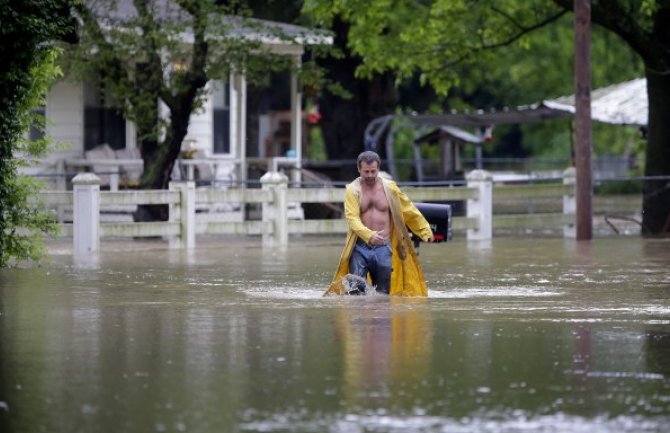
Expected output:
(517, 335)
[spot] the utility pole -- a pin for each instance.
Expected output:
(582, 26)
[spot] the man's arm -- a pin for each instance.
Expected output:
(413, 218)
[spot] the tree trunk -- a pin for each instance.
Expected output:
(344, 120)
(656, 193)
(652, 45)
(159, 159)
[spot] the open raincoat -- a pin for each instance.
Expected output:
(407, 277)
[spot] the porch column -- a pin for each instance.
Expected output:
(238, 122)
(131, 135)
(296, 118)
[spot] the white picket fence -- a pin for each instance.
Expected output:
(275, 200)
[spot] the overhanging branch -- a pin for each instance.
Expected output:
(523, 30)
(112, 64)
(472, 51)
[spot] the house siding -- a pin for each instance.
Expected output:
(200, 128)
(65, 116)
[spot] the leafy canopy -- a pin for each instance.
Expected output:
(434, 39)
(486, 54)
(29, 29)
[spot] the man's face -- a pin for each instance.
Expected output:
(369, 172)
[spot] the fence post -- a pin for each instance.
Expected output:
(277, 210)
(570, 202)
(481, 207)
(184, 212)
(86, 215)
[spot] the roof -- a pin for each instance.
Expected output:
(449, 132)
(521, 114)
(621, 104)
(268, 32)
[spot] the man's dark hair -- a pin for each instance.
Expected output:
(369, 157)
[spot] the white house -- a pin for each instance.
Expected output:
(78, 119)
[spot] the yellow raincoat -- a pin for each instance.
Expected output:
(407, 277)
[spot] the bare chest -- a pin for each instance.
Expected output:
(374, 200)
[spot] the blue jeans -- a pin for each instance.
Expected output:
(375, 260)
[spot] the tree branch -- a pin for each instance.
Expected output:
(612, 15)
(151, 50)
(523, 30)
(112, 64)
(195, 76)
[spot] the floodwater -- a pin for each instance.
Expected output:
(517, 335)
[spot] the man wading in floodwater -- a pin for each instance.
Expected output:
(378, 242)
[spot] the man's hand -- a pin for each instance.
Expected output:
(430, 238)
(378, 238)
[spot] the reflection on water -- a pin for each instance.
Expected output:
(384, 341)
(542, 335)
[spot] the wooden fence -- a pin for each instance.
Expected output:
(275, 200)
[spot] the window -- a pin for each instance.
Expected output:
(102, 123)
(37, 127)
(221, 114)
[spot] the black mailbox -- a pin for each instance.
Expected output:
(439, 217)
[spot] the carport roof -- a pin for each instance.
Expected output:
(448, 132)
(622, 104)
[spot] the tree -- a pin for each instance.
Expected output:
(436, 39)
(644, 27)
(345, 118)
(28, 31)
(163, 54)
(347, 103)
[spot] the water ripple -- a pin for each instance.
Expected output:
(515, 422)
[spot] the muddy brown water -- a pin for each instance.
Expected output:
(517, 335)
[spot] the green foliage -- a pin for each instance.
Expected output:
(147, 52)
(28, 30)
(167, 52)
(618, 187)
(486, 54)
(648, 7)
(314, 78)
(403, 150)
(316, 148)
(25, 221)
(436, 39)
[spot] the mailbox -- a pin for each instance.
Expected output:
(439, 218)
